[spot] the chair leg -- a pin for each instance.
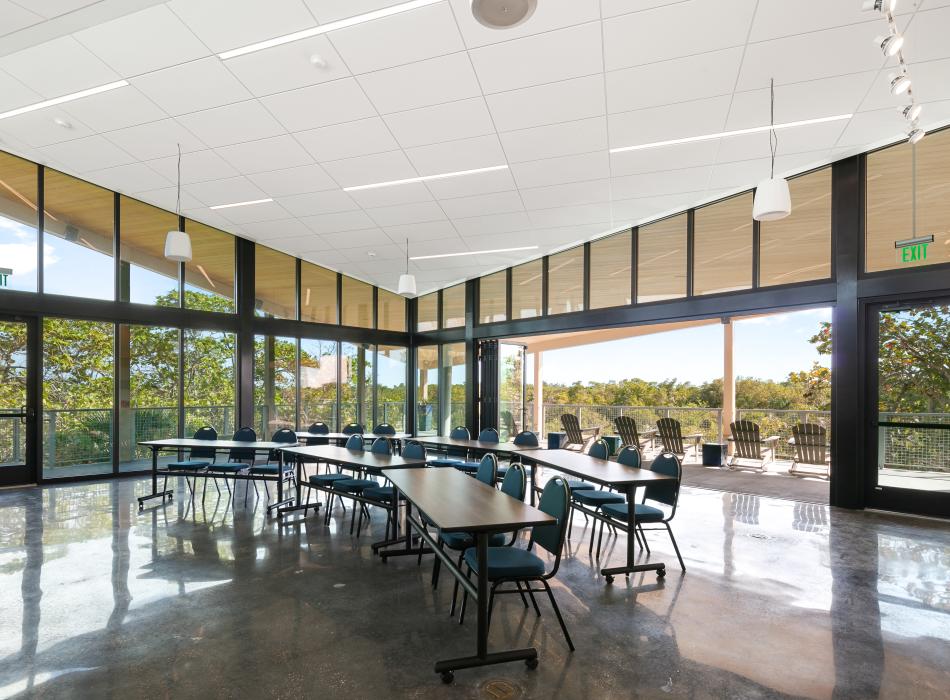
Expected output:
(557, 612)
(491, 607)
(353, 517)
(675, 547)
(600, 537)
(455, 589)
(521, 593)
(590, 545)
(534, 602)
(643, 534)
(570, 524)
(359, 527)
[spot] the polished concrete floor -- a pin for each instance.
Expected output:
(781, 599)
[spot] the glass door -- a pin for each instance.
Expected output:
(511, 406)
(911, 422)
(17, 409)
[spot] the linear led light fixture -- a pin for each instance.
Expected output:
(425, 178)
(474, 252)
(242, 204)
(914, 241)
(65, 98)
(737, 132)
(324, 28)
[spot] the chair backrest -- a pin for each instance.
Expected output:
(526, 439)
(627, 428)
(572, 427)
(284, 435)
(746, 440)
(238, 454)
(488, 469)
(382, 446)
(204, 433)
(599, 450)
(666, 491)
(352, 429)
(515, 483)
(811, 443)
(414, 450)
(318, 428)
(460, 432)
(488, 435)
(671, 434)
(629, 456)
(556, 502)
(354, 442)
(384, 429)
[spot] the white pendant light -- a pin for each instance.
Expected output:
(407, 282)
(178, 243)
(772, 199)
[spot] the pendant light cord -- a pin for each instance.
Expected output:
(178, 192)
(407, 256)
(913, 187)
(773, 137)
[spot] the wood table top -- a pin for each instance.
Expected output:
(188, 443)
(598, 471)
(305, 435)
(441, 441)
(354, 458)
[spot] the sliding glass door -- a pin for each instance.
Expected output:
(17, 412)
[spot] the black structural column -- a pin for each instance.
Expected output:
(847, 395)
(245, 336)
(471, 356)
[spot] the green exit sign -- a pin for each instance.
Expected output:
(913, 250)
(5, 273)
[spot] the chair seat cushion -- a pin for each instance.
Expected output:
(577, 485)
(507, 562)
(597, 498)
(326, 479)
(468, 467)
(229, 467)
(189, 464)
(463, 540)
(354, 485)
(444, 462)
(386, 494)
(268, 469)
(645, 513)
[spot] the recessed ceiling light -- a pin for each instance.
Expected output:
(474, 252)
(242, 204)
(324, 28)
(318, 61)
(503, 14)
(424, 178)
(736, 132)
(65, 98)
(59, 121)
(371, 253)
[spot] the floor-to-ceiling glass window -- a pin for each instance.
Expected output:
(318, 380)
(209, 381)
(146, 276)
(356, 384)
(209, 275)
(275, 384)
(392, 364)
(275, 283)
(78, 375)
(453, 379)
(510, 390)
(147, 372)
(14, 339)
(427, 390)
(18, 222)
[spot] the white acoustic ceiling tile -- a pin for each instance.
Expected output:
(38, 128)
(89, 153)
(357, 138)
(231, 24)
(336, 224)
(650, 160)
(208, 217)
(228, 191)
(567, 195)
(306, 178)
(662, 183)
(13, 17)
(455, 156)
(276, 153)
(742, 175)
(926, 35)
(167, 197)
(676, 80)
(554, 171)
(479, 205)
(669, 122)
(700, 26)
(573, 215)
(447, 122)
(14, 94)
(234, 123)
(777, 18)
(799, 140)
(872, 127)
(385, 253)
(115, 109)
(421, 84)
(58, 67)
(544, 58)
(156, 139)
(582, 136)
(54, 8)
(428, 231)
(630, 212)
(820, 55)
(493, 241)
(568, 100)
(389, 196)
(469, 185)
(369, 170)
(265, 211)
(313, 203)
(133, 177)
(612, 8)
(281, 228)
(320, 105)
(332, 10)
(196, 166)
(493, 223)
(143, 41)
(288, 66)
(364, 236)
(418, 212)
(192, 86)
(549, 15)
(422, 33)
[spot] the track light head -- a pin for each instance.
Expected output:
(890, 44)
(912, 112)
(900, 84)
(884, 6)
(915, 135)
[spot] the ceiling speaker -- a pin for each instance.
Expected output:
(503, 14)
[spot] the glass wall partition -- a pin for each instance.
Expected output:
(210, 398)
(275, 384)
(147, 371)
(318, 379)
(392, 311)
(661, 260)
(566, 281)
(493, 297)
(427, 313)
(78, 375)
(275, 284)
(526, 284)
(18, 223)
(209, 275)
(78, 238)
(317, 294)
(427, 390)
(145, 275)
(356, 384)
(722, 240)
(453, 306)
(392, 366)
(357, 303)
(610, 270)
(453, 378)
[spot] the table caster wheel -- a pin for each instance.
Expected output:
(531, 663)
(447, 677)
(609, 578)
(661, 573)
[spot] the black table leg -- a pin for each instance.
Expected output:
(155, 493)
(281, 501)
(631, 567)
(408, 550)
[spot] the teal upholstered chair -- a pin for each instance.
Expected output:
(239, 458)
(284, 436)
(384, 429)
(352, 429)
(598, 450)
(359, 483)
(523, 439)
(523, 567)
(385, 496)
(329, 480)
(663, 493)
(489, 435)
(199, 458)
(453, 455)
